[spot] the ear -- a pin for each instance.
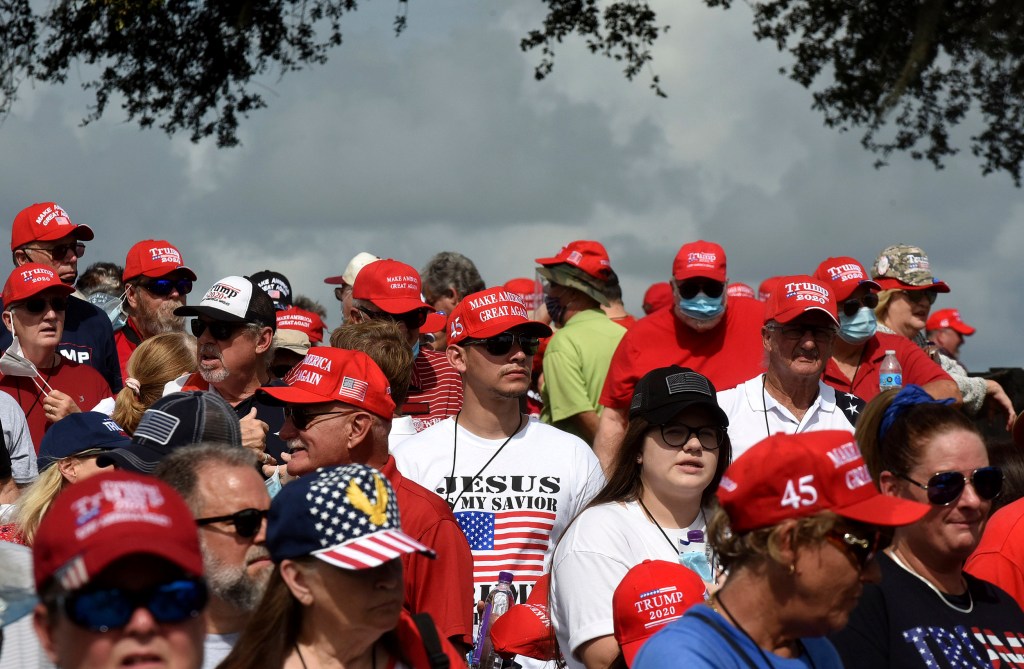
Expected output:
(362, 424)
(44, 631)
(787, 543)
(457, 357)
(20, 258)
(300, 580)
(355, 316)
(8, 321)
(766, 338)
(889, 484)
(453, 293)
(131, 296)
(68, 468)
(265, 339)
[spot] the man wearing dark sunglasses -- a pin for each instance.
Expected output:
(119, 576)
(230, 502)
(577, 356)
(391, 290)
(43, 233)
(705, 330)
(156, 282)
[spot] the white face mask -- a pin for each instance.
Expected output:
(13, 363)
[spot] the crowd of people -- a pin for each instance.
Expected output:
(734, 479)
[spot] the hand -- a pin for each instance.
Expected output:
(254, 437)
(1001, 401)
(282, 472)
(57, 405)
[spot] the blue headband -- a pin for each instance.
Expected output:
(909, 396)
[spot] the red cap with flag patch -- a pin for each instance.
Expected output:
(45, 222)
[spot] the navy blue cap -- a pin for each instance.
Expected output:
(346, 516)
(77, 433)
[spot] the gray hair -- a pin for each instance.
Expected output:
(449, 269)
(180, 469)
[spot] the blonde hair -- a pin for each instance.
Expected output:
(884, 297)
(36, 499)
(157, 360)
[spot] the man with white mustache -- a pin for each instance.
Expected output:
(800, 324)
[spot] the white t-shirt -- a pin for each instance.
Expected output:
(748, 410)
(216, 647)
(593, 556)
(513, 509)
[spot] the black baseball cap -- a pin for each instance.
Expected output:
(662, 393)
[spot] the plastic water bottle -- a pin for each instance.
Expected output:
(890, 374)
(498, 602)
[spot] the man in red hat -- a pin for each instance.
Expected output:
(390, 290)
(947, 331)
(704, 330)
(156, 282)
(577, 356)
(43, 233)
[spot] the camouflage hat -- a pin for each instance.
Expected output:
(566, 275)
(905, 267)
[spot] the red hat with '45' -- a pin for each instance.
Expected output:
(491, 312)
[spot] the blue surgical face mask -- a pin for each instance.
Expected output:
(416, 348)
(858, 328)
(274, 483)
(555, 309)
(702, 307)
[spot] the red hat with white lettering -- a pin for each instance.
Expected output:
(949, 318)
(798, 475)
(308, 322)
(739, 289)
(700, 260)
(31, 279)
(45, 222)
(154, 258)
(391, 286)
(591, 257)
(491, 312)
(525, 629)
(844, 275)
(526, 289)
(794, 296)
(651, 595)
(330, 374)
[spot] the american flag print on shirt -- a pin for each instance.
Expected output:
(513, 541)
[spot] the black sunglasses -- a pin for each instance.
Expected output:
(946, 487)
(247, 522)
(853, 305)
(502, 344)
(678, 435)
(102, 610)
(38, 305)
(301, 418)
(60, 251)
(863, 549)
(411, 319)
(921, 295)
(164, 287)
(219, 330)
(689, 289)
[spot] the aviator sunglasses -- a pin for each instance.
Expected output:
(247, 522)
(219, 330)
(689, 289)
(164, 287)
(946, 487)
(853, 305)
(38, 305)
(102, 610)
(863, 549)
(502, 344)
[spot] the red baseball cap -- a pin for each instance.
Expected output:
(700, 259)
(330, 374)
(657, 297)
(739, 289)
(45, 222)
(308, 322)
(31, 279)
(435, 322)
(525, 629)
(154, 258)
(591, 257)
(843, 275)
(109, 516)
(949, 318)
(391, 286)
(667, 588)
(526, 289)
(491, 312)
(798, 475)
(766, 288)
(794, 296)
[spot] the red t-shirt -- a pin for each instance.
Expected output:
(999, 558)
(918, 368)
(442, 587)
(728, 355)
(82, 383)
(126, 340)
(435, 391)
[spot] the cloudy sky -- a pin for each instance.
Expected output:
(441, 140)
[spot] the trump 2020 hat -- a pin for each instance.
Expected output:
(905, 267)
(154, 258)
(88, 432)
(491, 312)
(949, 318)
(107, 517)
(29, 280)
(843, 275)
(346, 516)
(45, 222)
(662, 393)
(329, 374)
(700, 259)
(391, 286)
(798, 475)
(795, 296)
(234, 299)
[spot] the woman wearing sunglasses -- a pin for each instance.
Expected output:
(926, 610)
(45, 384)
(653, 508)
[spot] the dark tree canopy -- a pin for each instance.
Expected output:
(904, 73)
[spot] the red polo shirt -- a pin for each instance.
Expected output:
(918, 368)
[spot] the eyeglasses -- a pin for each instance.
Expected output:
(946, 487)
(164, 287)
(301, 418)
(678, 435)
(689, 289)
(917, 296)
(219, 330)
(60, 251)
(861, 548)
(40, 305)
(411, 320)
(102, 610)
(339, 293)
(247, 522)
(821, 333)
(502, 344)
(853, 305)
